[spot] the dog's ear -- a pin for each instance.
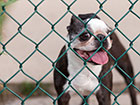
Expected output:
(74, 23)
(87, 16)
(74, 20)
(68, 28)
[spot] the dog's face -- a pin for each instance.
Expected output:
(86, 44)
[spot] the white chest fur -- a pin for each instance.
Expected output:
(85, 82)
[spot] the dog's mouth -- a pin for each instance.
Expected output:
(99, 57)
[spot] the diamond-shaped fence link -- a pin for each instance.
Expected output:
(52, 25)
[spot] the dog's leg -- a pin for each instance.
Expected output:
(59, 80)
(64, 99)
(103, 95)
(125, 64)
(83, 101)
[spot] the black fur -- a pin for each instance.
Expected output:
(87, 16)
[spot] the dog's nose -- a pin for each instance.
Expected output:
(101, 37)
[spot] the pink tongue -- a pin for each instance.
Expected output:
(100, 57)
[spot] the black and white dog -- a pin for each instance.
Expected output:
(99, 63)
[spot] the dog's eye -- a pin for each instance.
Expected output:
(108, 32)
(85, 37)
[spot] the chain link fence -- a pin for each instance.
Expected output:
(53, 62)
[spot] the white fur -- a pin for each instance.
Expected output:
(98, 25)
(85, 82)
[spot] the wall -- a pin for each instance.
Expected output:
(37, 28)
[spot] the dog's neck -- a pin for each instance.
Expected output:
(75, 64)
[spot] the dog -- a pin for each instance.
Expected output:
(88, 53)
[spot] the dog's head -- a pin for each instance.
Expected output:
(86, 44)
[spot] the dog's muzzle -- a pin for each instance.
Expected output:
(99, 57)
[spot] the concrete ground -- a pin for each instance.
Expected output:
(122, 100)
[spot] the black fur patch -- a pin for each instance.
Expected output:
(87, 16)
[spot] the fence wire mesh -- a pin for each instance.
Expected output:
(52, 25)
